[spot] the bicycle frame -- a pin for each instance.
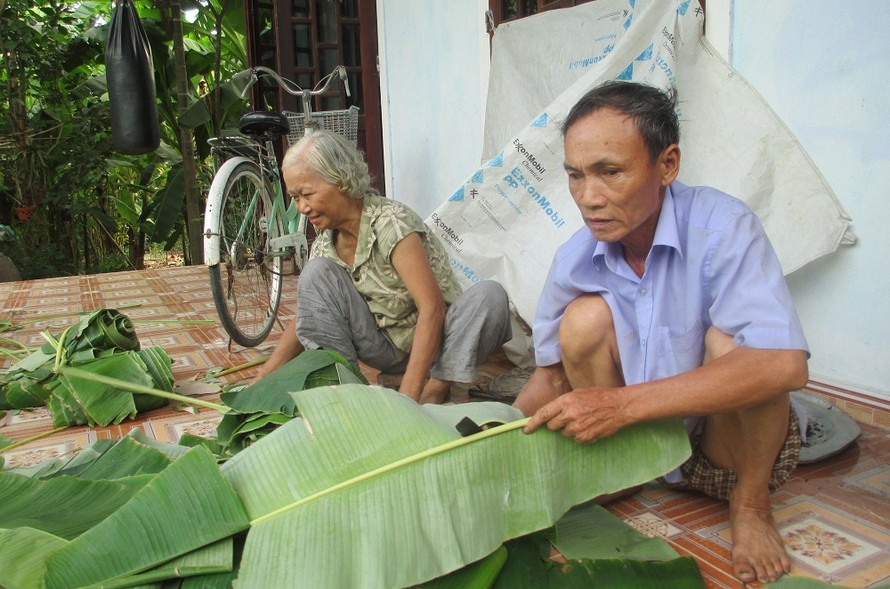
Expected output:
(278, 245)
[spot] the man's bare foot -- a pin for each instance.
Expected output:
(435, 391)
(758, 552)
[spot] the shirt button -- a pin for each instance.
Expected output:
(643, 291)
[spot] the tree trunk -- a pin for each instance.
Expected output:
(193, 225)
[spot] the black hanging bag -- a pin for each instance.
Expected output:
(131, 83)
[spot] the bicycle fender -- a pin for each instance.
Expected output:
(214, 208)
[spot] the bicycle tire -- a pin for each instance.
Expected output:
(246, 282)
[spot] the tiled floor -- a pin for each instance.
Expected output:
(834, 515)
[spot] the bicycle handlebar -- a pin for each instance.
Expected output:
(291, 87)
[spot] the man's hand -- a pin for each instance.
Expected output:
(586, 415)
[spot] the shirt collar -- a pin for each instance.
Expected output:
(666, 234)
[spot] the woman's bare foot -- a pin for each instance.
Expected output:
(435, 391)
(758, 552)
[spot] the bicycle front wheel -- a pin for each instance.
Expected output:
(246, 282)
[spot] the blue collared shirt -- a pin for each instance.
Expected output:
(710, 264)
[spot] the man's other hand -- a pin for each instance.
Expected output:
(586, 415)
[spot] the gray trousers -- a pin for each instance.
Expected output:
(332, 315)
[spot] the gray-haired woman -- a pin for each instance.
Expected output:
(378, 286)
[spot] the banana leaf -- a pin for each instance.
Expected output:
(479, 575)
(591, 532)
(214, 559)
(257, 410)
(365, 476)
(529, 566)
(23, 553)
(99, 334)
(90, 344)
(95, 403)
(63, 506)
(184, 508)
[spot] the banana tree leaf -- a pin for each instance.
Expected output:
(100, 333)
(127, 457)
(209, 560)
(73, 466)
(185, 507)
(528, 560)
(312, 368)
(23, 553)
(217, 581)
(103, 404)
(529, 566)
(366, 474)
(479, 575)
(63, 406)
(159, 366)
(591, 532)
(259, 409)
(235, 431)
(63, 506)
(104, 331)
(679, 573)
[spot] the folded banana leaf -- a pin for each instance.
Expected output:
(102, 333)
(104, 343)
(259, 409)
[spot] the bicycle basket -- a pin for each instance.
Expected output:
(344, 122)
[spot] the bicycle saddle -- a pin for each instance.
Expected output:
(264, 123)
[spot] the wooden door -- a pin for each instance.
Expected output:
(304, 40)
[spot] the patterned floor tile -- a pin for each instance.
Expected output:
(876, 480)
(61, 445)
(172, 428)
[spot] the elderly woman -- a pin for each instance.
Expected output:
(378, 286)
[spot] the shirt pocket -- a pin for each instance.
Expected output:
(680, 348)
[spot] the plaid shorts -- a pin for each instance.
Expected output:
(699, 474)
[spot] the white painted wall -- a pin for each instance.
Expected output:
(823, 66)
(434, 59)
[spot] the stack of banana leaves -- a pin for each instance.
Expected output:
(342, 485)
(103, 342)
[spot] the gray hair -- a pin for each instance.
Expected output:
(334, 159)
(653, 111)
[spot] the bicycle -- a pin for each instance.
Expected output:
(249, 233)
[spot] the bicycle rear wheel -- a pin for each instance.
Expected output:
(246, 283)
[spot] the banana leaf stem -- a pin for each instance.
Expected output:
(441, 449)
(60, 349)
(245, 366)
(137, 388)
(33, 438)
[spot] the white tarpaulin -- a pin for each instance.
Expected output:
(507, 220)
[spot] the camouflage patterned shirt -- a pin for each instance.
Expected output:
(386, 222)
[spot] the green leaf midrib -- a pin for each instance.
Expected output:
(391, 467)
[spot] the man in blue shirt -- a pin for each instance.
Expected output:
(670, 302)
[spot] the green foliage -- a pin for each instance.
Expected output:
(96, 209)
